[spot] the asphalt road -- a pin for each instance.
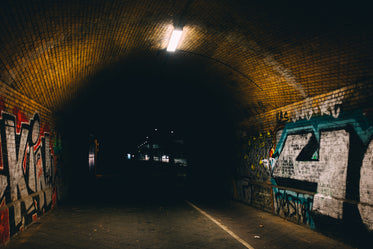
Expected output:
(166, 224)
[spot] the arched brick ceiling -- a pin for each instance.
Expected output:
(268, 53)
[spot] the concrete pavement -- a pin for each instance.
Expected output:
(165, 224)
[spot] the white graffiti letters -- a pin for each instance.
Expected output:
(329, 171)
(326, 162)
(366, 188)
(28, 165)
(15, 158)
(329, 107)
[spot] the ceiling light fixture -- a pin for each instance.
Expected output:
(174, 41)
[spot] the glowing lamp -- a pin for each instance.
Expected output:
(174, 41)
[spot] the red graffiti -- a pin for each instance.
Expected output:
(46, 128)
(271, 152)
(4, 224)
(25, 160)
(20, 118)
(34, 217)
(39, 168)
(43, 130)
(2, 105)
(2, 108)
(30, 131)
(54, 198)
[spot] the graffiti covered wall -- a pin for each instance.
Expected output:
(315, 165)
(27, 168)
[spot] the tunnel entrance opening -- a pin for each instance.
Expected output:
(122, 103)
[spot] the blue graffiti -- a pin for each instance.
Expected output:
(355, 120)
(296, 206)
(314, 177)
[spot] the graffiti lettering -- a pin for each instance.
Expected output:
(331, 106)
(366, 200)
(27, 168)
(325, 171)
(282, 116)
(295, 206)
(316, 154)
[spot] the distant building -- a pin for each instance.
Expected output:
(165, 147)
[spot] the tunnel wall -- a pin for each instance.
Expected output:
(312, 163)
(29, 151)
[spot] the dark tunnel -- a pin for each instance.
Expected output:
(263, 109)
(126, 102)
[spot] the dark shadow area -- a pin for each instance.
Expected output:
(123, 103)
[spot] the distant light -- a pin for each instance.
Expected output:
(128, 156)
(165, 159)
(172, 131)
(174, 41)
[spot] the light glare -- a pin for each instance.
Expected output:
(174, 41)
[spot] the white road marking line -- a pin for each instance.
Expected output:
(247, 245)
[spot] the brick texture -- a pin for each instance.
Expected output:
(268, 56)
(27, 162)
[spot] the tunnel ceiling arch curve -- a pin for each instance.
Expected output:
(269, 54)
